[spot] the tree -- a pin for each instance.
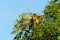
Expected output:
(52, 13)
(32, 26)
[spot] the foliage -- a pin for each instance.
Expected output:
(52, 13)
(47, 28)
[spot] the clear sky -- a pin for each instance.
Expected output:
(9, 11)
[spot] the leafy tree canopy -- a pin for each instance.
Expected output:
(32, 26)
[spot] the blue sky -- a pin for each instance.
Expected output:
(10, 10)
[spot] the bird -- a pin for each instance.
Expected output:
(32, 19)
